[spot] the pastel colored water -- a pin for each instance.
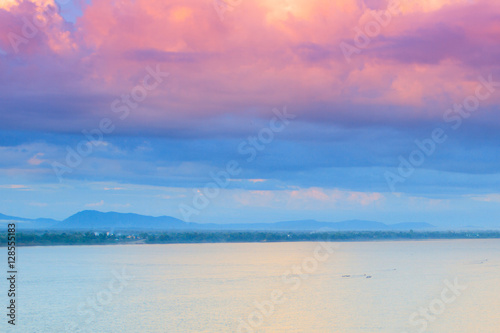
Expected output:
(211, 287)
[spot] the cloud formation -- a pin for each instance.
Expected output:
(355, 116)
(264, 53)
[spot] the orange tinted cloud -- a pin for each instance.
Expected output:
(263, 53)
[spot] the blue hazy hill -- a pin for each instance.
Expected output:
(95, 220)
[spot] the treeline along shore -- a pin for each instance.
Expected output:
(180, 237)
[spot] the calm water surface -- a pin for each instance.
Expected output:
(359, 287)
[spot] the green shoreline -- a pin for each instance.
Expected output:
(197, 237)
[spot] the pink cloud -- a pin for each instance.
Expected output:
(308, 198)
(264, 53)
(95, 204)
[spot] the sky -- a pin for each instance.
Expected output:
(234, 111)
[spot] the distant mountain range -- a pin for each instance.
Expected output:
(23, 223)
(113, 221)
